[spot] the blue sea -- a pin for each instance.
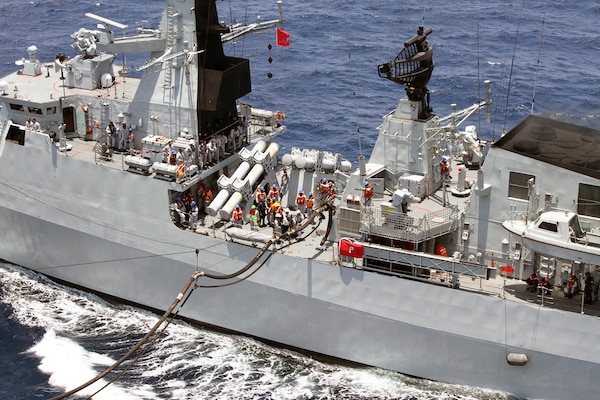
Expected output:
(545, 53)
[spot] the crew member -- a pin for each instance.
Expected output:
(588, 289)
(253, 218)
(301, 201)
(238, 216)
(273, 192)
(310, 203)
(445, 168)
(368, 194)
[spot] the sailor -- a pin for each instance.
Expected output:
(273, 192)
(445, 169)
(285, 179)
(232, 139)
(273, 209)
(122, 136)
(285, 220)
(532, 282)
(190, 152)
(173, 157)
(331, 191)
(203, 154)
(324, 186)
(35, 125)
(571, 287)
(167, 150)
(544, 285)
(180, 208)
(277, 222)
(111, 132)
(298, 218)
(310, 203)
(588, 288)
(222, 143)
(253, 218)
(207, 196)
(212, 152)
(179, 157)
(301, 201)
(29, 125)
(238, 216)
(368, 194)
(130, 139)
(193, 215)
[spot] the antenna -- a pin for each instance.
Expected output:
(106, 21)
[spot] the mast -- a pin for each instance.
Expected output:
(221, 79)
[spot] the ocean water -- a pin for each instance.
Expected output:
(537, 52)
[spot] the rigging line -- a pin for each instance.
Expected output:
(478, 72)
(116, 260)
(97, 223)
(537, 65)
(423, 16)
(151, 332)
(353, 91)
(512, 64)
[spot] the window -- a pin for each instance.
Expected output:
(51, 110)
(518, 187)
(17, 107)
(588, 200)
(35, 110)
(548, 226)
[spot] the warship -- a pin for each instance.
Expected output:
(441, 256)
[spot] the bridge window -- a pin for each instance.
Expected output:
(517, 185)
(588, 200)
(35, 110)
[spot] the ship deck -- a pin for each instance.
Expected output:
(312, 246)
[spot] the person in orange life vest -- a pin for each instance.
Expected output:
(200, 197)
(273, 210)
(331, 191)
(208, 197)
(301, 201)
(324, 188)
(368, 194)
(572, 287)
(310, 203)
(238, 216)
(273, 192)
(261, 196)
(445, 168)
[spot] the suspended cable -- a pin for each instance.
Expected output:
(512, 64)
(537, 65)
(360, 152)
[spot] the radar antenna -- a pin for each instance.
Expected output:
(413, 67)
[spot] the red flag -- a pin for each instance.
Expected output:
(351, 249)
(282, 37)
